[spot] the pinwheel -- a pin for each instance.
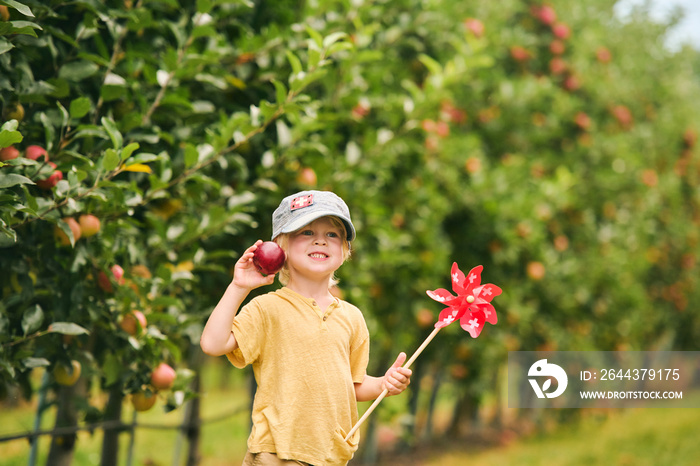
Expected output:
(472, 307)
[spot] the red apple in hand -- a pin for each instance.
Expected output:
(269, 258)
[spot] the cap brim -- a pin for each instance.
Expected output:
(311, 216)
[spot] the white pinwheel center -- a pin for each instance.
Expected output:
(470, 299)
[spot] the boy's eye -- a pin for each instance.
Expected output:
(307, 232)
(333, 234)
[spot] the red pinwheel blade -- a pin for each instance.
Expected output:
(443, 296)
(457, 279)
(473, 278)
(472, 305)
(487, 292)
(473, 322)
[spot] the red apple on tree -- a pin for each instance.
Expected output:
(34, 152)
(425, 318)
(582, 120)
(163, 376)
(269, 258)
(557, 47)
(519, 53)
(557, 65)
(133, 322)
(74, 227)
(603, 55)
(52, 180)
(118, 273)
(8, 153)
(545, 14)
(475, 26)
(89, 225)
(561, 30)
(105, 283)
(307, 177)
(572, 83)
(623, 115)
(535, 270)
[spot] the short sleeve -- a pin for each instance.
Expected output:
(248, 330)
(359, 354)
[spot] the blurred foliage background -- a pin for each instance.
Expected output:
(550, 142)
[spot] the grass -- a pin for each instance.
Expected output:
(635, 437)
(639, 437)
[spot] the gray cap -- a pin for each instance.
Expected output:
(304, 207)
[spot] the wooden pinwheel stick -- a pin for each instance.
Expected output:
(410, 361)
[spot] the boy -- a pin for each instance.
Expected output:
(309, 349)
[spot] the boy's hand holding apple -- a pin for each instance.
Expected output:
(251, 272)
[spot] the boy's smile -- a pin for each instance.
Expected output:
(316, 250)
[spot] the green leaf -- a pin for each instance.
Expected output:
(113, 132)
(144, 157)
(333, 38)
(25, 27)
(10, 125)
(315, 36)
(32, 363)
(5, 45)
(128, 150)
(22, 8)
(280, 91)
(80, 107)
(7, 138)
(67, 328)
(338, 47)
(32, 319)
(204, 31)
(294, 62)
(77, 71)
(12, 179)
(191, 155)
(433, 65)
(204, 6)
(112, 368)
(111, 160)
(66, 229)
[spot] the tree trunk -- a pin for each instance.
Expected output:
(465, 408)
(192, 422)
(437, 382)
(63, 445)
(113, 413)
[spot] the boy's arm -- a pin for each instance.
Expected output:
(396, 380)
(217, 338)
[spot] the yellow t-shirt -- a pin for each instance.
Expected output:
(305, 362)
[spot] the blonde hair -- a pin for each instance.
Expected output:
(283, 241)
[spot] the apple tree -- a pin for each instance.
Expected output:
(521, 135)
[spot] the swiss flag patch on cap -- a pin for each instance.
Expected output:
(301, 202)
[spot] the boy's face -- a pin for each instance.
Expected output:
(316, 250)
